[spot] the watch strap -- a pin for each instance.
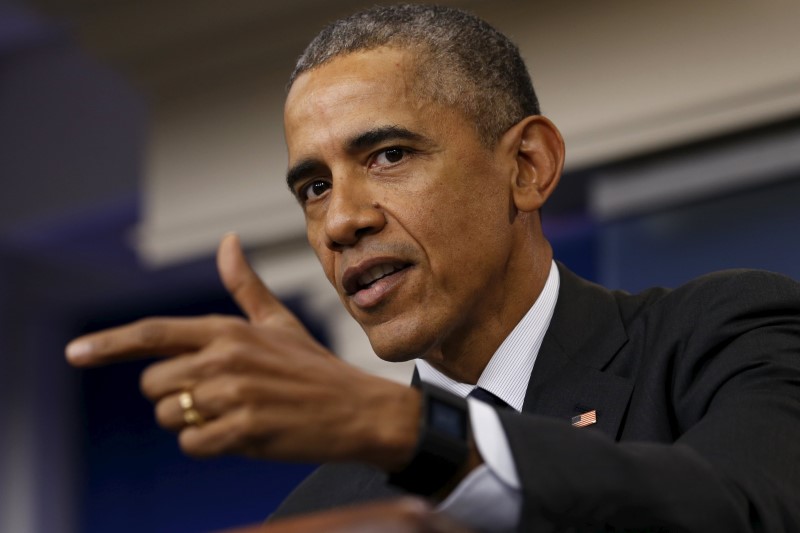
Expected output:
(442, 448)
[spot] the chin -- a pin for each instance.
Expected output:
(397, 347)
(392, 353)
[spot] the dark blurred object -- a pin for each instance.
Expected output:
(406, 515)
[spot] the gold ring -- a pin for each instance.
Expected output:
(190, 415)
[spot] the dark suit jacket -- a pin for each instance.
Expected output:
(697, 393)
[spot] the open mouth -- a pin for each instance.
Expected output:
(370, 276)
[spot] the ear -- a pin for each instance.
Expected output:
(538, 149)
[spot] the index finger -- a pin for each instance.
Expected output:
(144, 338)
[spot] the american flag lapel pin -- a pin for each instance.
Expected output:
(585, 419)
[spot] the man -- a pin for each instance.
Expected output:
(420, 159)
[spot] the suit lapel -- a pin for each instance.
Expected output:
(585, 333)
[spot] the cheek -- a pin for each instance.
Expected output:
(324, 255)
(462, 231)
(468, 226)
(469, 207)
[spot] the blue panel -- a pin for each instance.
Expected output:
(752, 229)
(137, 479)
(574, 241)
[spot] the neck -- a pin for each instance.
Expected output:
(466, 352)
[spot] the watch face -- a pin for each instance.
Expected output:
(447, 419)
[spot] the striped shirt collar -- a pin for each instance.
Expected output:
(509, 370)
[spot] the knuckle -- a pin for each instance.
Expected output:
(149, 332)
(230, 326)
(223, 361)
(245, 425)
(227, 357)
(233, 392)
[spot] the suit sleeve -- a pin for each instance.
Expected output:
(725, 352)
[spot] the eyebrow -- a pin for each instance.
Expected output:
(357, 143)
(301, 170)
(378, 135)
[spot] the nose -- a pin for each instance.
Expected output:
(352, 213)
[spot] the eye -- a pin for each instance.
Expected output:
(313, 190)
(390, 156)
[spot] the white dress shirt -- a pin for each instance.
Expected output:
(490, 498)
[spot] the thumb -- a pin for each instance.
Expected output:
(244, 285)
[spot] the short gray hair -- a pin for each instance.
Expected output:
(464, 62)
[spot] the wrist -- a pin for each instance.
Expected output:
(390, 434)
(443, 453)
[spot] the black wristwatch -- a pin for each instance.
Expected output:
(442, 447)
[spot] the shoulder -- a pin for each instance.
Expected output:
(717, 326)
(724, 293)
(727, 319)
(742, 285)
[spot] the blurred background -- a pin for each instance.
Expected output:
(134, 133)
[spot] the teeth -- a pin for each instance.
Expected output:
(375, 273)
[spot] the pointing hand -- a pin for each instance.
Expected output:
(261, 387)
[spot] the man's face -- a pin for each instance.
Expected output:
(409, 213)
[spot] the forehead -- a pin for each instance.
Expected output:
(353, 93)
